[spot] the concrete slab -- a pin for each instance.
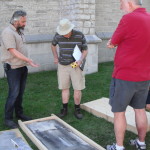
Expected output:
(13, 140)
(101, 108)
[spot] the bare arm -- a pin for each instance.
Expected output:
(83, 56)
(17, 54)
(55, 54)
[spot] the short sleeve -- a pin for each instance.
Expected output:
(120, 32)
(8, 40)
(84, 43)
(55, 40)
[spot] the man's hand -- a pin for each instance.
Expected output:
(84, 54)
(79, 62)
(31, 63)
(55, 60)
(109, 44)
(19, 55)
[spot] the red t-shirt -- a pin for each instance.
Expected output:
(132, 58)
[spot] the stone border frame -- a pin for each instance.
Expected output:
(54, 117)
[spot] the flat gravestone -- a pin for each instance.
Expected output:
(101, 108)
(54, 134)
(13, 140)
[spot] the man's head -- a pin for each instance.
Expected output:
(19, 19)
(65, 27)
(130, 5)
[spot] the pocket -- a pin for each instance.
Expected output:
(6, 66)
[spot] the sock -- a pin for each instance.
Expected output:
(77, 106)
(119, 147)
(140, 143)
(65, 105)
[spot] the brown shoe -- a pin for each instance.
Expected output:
(63, 113)
(78, 113)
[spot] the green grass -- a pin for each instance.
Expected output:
(42, 98)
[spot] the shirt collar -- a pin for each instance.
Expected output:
(12, 27)
(141, 9)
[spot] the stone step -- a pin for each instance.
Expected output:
(101, 108)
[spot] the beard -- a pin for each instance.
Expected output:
(20, 29)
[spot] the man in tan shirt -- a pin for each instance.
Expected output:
(14, 56)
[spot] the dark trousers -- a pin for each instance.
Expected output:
(16, 81)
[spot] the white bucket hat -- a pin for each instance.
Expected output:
(64, 27)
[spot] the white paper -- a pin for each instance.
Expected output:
(77, 53)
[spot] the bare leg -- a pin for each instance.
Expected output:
(148, 106)
(119, 127)
(65, 96)
(77, 97)
(141, 123)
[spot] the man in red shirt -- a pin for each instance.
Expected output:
(131, 75)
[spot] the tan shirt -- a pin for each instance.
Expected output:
(11, 39)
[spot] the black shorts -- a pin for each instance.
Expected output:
(124, 93)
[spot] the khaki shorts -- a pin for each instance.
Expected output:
(67, 75)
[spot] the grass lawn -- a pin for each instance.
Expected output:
(42, 98)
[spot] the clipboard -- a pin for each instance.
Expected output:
(77, 55)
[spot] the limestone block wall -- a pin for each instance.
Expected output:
(81, 13)
(108, 14)
(43, 15)
(105, 54)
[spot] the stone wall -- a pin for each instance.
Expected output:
(108, 14)
(43, 15)
(92, 17)
(81, 12)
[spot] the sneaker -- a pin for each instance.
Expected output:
(78, 113)
(111, 147)
(63, 113)
(137, 145)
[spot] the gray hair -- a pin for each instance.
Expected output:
(137, 2)
(17, 15)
